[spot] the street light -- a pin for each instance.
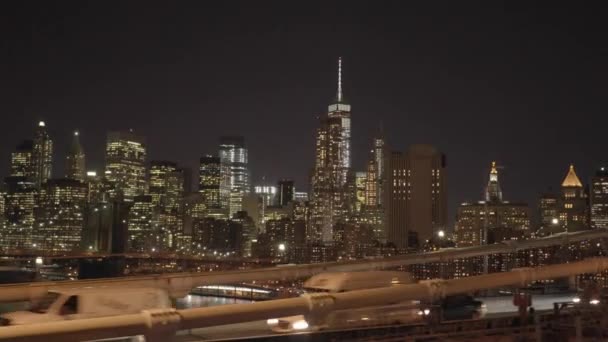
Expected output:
(282, 247)
(554, 221)
(441, 234)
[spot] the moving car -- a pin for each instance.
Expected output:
(336, 282)
(89, 303)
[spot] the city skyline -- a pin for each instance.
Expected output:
(450, 109)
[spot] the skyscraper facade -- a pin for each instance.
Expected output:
(416, 195)
(210, 180)
(60, 225)
(125, 165)
(599, 199)
(42, 155)
(19, 206)
(491, 220)
(332, 167)
(167, 191)
(574, 206)
(286, 191)
(143, 232)
(75, 160)
(233, 158)
(22, 164)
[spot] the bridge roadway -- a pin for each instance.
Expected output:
(180, 284)
(495, 307)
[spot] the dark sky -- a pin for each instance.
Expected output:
(523, 85)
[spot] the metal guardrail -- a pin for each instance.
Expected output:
(179, 284)
(161, 325)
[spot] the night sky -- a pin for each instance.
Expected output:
(523, 85)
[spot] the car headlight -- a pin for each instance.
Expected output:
(594, 301)
(576, 300)
(300, 325)
(427, 312)
(272, 321)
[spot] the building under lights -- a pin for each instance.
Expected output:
(574, 204)
(22, 164)
(59, 226)
(332, 167)
(286, 192)
(143, 233)
(210, 180)
(75, 160)
(491, 220)
(167, 191)
(235, 178)
(19, 206)
(42, 155)
(125, 165)
(599, 199)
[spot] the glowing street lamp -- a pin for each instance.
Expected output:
(441, 234)
(282, 247)
(555, 221)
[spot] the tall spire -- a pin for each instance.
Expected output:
(339, 96)
(493, 191)
(572, 179)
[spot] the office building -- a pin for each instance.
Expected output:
(210, 180)
(548, 211)
(574, 204)
(143, 231)
(235, 181)
(42, 155)
(599, 199)
(19, 205)
(22, 164)
(416, 196)
(59, 226)
(491, 220)
(125, 165)
(360, 185)
(167, 190)
(332, 167)
(75, 160)
(268, 193)
(286, 191)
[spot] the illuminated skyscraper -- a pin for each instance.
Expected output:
(416, 196)
(210, 180)
(332, 167)
(167, 190)
(143, 231)
(19, 205)
(60, 225)
(235, 181)
(42, 155)
(21, 160)
(599, 199)
(492, 220)
(125, 165)
(75, 160)
(574, 205)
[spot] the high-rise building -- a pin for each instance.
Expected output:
(19, 206)
(210, 180)
(59, 226)
(332, 167)
(22, 164)
(125, 165)
(286, 191)
(42, 155)
(75, 160)
(379, 158)
(599, 199)
(574, 204)
(416, 196)
(548, 210)
(360, 186)
(491, 220)
(142, 227)
(233, 158)
(167, 191)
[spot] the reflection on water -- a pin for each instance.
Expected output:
(195, 301)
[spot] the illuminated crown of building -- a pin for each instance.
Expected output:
(572, 179)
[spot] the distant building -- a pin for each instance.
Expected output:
(22, 164)
(301, 196)
(286, 191)
(167, 190)
(210, 180)
(19, 205)
(144, 234)
(360, 182)
(234, 159)
(268, 193)
(60, 225)
(42, 155)
(492, 220)
(75, 160)
(599, 199)
(329, 196)
(574, 204)
(125, 165)
(416, 196)
(548, 210)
